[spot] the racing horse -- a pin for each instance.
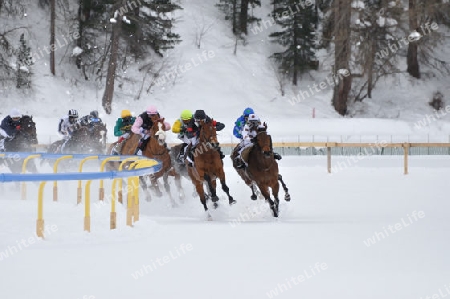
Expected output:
(23, 141)
(263, 170)
(154, 149)
(208, 166)
(85, 140)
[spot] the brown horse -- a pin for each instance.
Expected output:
(208, 166)
(155, 149)
(263, 170)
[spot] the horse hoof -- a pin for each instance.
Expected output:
(214, 198)
(287, 197)
(253, 197)
(232, 202)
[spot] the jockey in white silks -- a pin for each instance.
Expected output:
(249, 131)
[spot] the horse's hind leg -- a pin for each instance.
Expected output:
(287, 196)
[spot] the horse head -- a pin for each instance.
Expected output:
(98, 132)
(28, 129)
(208, 134)
(263, 141)
(157, 131)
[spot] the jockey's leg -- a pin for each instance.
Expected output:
(142, 144)
(182, 154)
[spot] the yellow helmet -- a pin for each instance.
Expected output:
(125, 113)
(186, 114)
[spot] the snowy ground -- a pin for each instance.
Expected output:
(366, 231)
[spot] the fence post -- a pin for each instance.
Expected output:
(40, 214)
(329, 158)
(87, 207)
(113, 217)
(80, 169)
(101, 195)
(405, 156)
(24, 168)
(55, 170)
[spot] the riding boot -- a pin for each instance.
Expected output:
(277, 156)
(141, 146)
(181, 155)
(188, 154)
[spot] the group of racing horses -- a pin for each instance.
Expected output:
(261, 174)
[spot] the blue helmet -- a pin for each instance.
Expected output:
(248, 111)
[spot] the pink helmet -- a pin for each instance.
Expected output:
(152, 110)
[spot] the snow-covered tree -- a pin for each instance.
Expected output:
(23, 64)
(298, 36)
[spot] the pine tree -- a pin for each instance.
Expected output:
(24, 61)
(143, 25)
(298, 36)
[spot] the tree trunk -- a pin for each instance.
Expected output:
(52, 36)
(370, 68)
(244, 16)
(342, 89)
(234, 16)
(411, 60)
(111, 75)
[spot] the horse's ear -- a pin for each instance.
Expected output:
(265, 125)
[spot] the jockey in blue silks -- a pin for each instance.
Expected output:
(241, 121)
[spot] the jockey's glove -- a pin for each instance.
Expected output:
(143, 131)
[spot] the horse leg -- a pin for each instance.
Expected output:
(266, 194)
(212, 189)
(155, 186)
(145, 188)
(201, 193)
(287, 196)
(225, 188)
(275, 189)
(167, 188)
(177, 178)
(253, 188)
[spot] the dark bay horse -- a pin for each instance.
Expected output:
(24, 141)
(155, 149)
(208, 166)
(263, 170)
(85, 140)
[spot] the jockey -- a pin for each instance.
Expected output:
(142, 125)
(122, 129)
(68, 125)
(249, 131)
(193, 130)
(241, 121)
(91, 119)
(9, 127)
(179, 127)
(239, 126)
